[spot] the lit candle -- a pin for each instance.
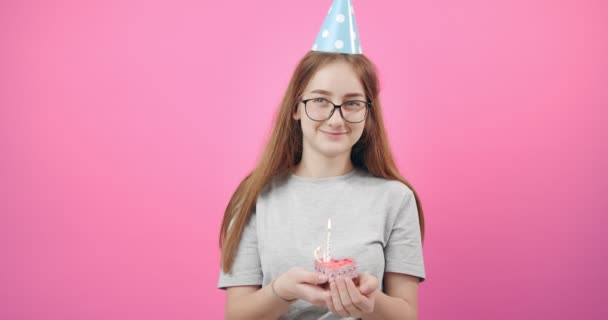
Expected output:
(327, 249)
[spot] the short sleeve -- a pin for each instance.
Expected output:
(246, 269)
(403, 251)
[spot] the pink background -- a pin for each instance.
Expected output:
(126, 125)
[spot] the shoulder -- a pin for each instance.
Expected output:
(276, 185)
(394, 189)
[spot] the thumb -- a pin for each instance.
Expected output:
(365, 290)
(368, 284)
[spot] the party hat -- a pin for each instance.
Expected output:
(339, 31)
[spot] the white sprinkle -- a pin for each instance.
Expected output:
(339, 44)
(325, 33)
(340, 18)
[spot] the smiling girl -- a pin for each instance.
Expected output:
(327, 157)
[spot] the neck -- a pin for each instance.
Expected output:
(318, 166)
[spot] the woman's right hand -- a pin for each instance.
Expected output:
(299, 283)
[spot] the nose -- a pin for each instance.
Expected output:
(335, 119)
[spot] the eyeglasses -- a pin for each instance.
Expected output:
(321, 109)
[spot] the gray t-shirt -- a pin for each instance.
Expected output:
(373, 220)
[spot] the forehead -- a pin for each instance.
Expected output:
(337, 77)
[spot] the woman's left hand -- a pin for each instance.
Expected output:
(349, 301)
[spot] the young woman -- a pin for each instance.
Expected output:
(328, 157)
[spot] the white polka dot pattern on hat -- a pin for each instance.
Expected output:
(339, 30)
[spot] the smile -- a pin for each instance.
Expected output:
(333, 133)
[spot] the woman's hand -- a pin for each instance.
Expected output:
(349, 301)
(298, 283)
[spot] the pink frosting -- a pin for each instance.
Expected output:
(336, 264)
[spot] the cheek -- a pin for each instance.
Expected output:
(358, 129)
(308, 127)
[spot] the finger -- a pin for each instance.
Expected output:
(345, 296)
(313, 294)
(365, 290)
(362, 303)
(311, 277)
(368, 284)
(322, 278)
(337, 303)
(330, 303)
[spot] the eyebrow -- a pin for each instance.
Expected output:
(327, 93)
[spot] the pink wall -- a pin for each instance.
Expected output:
(126, 125)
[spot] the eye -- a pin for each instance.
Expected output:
(319, 100)
(354, 104)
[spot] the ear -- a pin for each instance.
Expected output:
(296, 113)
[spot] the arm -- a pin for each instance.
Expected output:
(245, 297)
(403, 269)
(400, 300)
(253, 302)
(404, 263)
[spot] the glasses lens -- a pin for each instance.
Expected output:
(319, 109)
(354, 111)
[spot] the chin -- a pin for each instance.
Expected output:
(333, 152)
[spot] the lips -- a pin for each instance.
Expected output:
(334, 133)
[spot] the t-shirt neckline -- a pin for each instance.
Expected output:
(324, 179)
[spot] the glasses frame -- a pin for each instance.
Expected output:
(368, 106)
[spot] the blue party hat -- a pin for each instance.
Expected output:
(339, 31)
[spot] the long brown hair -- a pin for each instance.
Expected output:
(284, 149)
